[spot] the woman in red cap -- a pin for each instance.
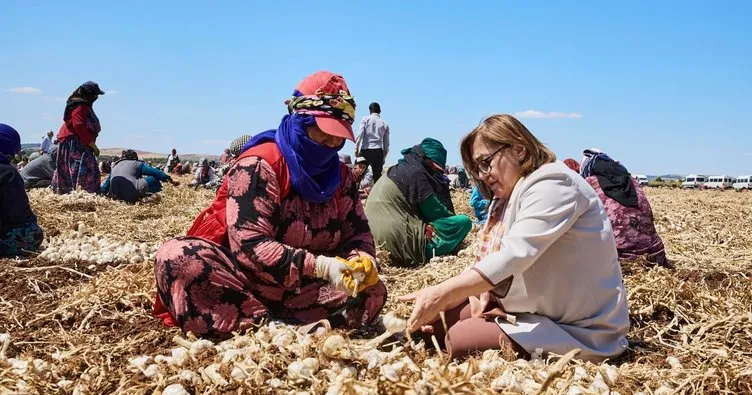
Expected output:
(286, 237)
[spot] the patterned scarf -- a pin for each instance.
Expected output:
(341, 106)
(490, 238)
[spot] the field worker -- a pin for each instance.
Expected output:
(225, 157)
(373, 140)
(546, 257)
(38, 173)
(462, 179)
(76, 164)
(479, 205)
(204, 175)
(363, 178)
(131, 179)
(286, 238)
(627, 207)
(410, 210)
(172, 160)
(19, 232)
(237, 145)
(46, 145)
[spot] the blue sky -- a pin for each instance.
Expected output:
(662, 87)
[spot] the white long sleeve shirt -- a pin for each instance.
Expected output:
(373, 133)
(46, 145)
(567, 289)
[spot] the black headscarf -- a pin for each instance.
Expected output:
(84, 94)
(417, 178)
(615, 181)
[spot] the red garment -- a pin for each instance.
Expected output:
(81, 124)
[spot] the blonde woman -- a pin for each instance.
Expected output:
(547, 273)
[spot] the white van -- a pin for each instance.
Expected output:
(641, 179)
(694, 181)
(743, 183)
(719, 182)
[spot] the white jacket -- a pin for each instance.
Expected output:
(567, 291)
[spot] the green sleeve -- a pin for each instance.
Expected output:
(432, 209)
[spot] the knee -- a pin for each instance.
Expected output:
(465, 224)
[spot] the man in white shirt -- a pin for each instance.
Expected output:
(372, 142)
(44, 148)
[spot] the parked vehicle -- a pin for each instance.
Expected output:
(743, 183)
(719, 182)
(641, 178)
(694, 181)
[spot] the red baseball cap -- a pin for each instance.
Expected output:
(323, 83)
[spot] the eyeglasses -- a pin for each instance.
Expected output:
(484, 165)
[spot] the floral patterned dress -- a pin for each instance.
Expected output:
(267, 271)
(634, 229)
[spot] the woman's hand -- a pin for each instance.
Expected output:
(429, 302)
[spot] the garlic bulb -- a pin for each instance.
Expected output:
(174, 389)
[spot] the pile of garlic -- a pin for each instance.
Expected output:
(20, 367)
(96, 249)
(277, 356)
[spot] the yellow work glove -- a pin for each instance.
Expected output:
(363, 269)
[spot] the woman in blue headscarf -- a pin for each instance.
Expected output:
(19, 232)
(286, 237)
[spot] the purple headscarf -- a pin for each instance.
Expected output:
(10, 142)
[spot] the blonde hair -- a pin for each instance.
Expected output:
(503, 129)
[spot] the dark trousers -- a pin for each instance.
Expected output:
(375, 158)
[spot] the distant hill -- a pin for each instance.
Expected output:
(29, 145)
(158, 156)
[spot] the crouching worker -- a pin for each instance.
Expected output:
(286, 237)
(131, 179)
(204, 176)
(547, 273)
(410, 210)
(627, 206)
(19, 232)
(38, 173)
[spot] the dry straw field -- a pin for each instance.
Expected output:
(77, 319)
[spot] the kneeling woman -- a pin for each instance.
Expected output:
(19, 232)
(627, 207)
(547, 257)
(410, 210)
(286, 237)
(131, 179)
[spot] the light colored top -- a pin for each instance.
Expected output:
(567, 289)
(46, 144)
(373, 133)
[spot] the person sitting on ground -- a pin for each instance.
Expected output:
(410, 210)
(627, 207)
(225, 157)
(479, 205)
(131, 179)
(363, 178)
(286, 234)
(76, 164)
(22, 162)
(204, 176)
(172, 160)
(237, 145)
(19, 232)
(38, 173)
(453, 177)
(464, 182)
(547, 274)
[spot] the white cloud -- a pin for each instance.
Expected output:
(24, 90)
(113, 92)
(535, 114)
